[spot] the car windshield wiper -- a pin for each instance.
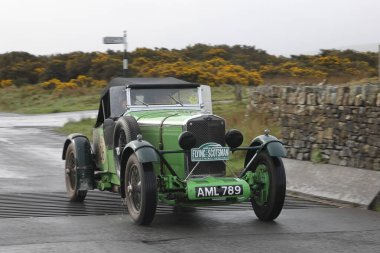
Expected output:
(176, 100)
(142, 102)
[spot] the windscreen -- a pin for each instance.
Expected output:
(178, 96)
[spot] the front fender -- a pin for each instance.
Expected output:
(271, 144)
(144, 151)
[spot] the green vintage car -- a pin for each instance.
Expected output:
(157, 140)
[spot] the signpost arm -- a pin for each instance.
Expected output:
(119, 40)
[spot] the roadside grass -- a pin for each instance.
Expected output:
(227, 92)
(84, 127)
(250, 123)
(235, 165)
(34, 100)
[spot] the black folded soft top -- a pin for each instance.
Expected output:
(149, 82)
(110, 105)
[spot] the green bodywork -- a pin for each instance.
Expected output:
(150, 123)
(170, 123)
(177, 189)
(104, 161)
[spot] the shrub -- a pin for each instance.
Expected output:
(51, 84)
(64, 86)
(316, 155)
(6, 83)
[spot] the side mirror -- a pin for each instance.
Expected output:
(187, 140)
(234, 138)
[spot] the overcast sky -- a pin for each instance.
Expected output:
(280, 27)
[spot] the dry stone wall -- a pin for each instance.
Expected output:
(333, 124)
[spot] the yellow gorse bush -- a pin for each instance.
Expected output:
(51, 84)
(290, 69)
(6, 83)
(80, 81)
(215, 71)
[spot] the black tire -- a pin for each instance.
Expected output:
(140, 190)
(271, 208)
(70, 176)
(126, 130)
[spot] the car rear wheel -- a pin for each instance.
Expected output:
(126, 130)
(73, 193)
(269, 195)
(140, 191)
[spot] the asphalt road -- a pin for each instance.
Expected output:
(35, 216)
(30, 151)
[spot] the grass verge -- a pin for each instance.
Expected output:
(34, 100)
(84, 127)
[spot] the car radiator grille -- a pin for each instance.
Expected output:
(206, 129)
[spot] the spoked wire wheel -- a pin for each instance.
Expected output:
(140, 190)
(119, 147)
(71, 172)
(134, 188)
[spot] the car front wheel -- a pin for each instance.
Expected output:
(269, 194)
(140, 190)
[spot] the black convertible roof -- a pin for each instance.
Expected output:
(109, 103)
(144, 82)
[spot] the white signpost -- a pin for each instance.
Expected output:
(119, 40)
(113, 40)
